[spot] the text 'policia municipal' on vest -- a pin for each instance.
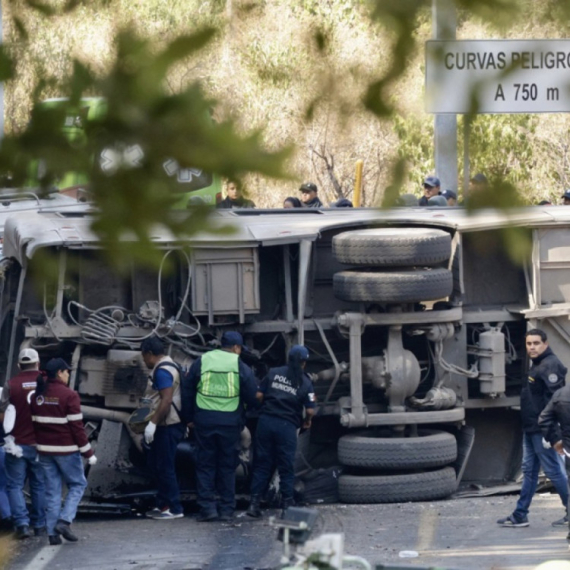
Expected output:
(218, 388)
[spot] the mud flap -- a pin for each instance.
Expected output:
(465, 441)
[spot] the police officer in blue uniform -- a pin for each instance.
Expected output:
(287, 392)
(213, 397)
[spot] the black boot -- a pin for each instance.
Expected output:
(285, 504)
(254, 509)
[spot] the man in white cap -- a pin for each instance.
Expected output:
(21, 455)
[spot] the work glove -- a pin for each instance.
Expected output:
(546, 444)
(9, 418)
(11, 447)
(92, 460)
(149, 432)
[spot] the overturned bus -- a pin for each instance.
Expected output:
(414, 318)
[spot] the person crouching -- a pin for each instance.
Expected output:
(61, 440)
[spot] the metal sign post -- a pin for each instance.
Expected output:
(445, 126)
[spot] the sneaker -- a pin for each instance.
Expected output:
(561, 522)
(512, 521)
(165, 515)
(55, 539)
(40, 531)
(152, 512)
(23, 532)
(207, 517)
(226, 517)
(62, 527)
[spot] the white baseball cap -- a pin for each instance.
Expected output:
(28, 356)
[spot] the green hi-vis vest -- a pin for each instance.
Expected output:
(218, 388)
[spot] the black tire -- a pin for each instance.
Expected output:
(393, 285)
(430, 449)
(426, 486)
(391, 247)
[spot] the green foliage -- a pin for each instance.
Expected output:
(141, 111)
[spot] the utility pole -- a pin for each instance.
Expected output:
(445, 143)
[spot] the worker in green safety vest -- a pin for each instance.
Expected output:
(213, 397)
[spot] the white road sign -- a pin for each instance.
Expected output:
(501, 76)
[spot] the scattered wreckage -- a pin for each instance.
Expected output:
(415, 319)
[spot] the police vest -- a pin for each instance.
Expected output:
(218, 388)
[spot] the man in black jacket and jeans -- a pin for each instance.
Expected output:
(546, 376)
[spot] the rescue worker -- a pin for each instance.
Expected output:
(309, 196)
(165, 429)
(287, 392)
(21, 460)
(554, 421)
(213, 396)
(61, 441)
(546, 375)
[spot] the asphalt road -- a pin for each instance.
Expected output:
(458, 534)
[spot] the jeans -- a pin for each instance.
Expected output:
(275, 444)
(5, 512)
(161, 461)
(57, 469)
(535, 456)
(18, 469)
(216, 466)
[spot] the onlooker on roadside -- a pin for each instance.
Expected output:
(437, 202)
(554, 421)
(21, 454)
(309, 196)
(546, 375)
(450, 196)
(478, 183)
(566, 198)
(213, 396)
(61, 441)
(234, 198)
(292, 202)
(431, 188)
(342, 203)
(406, 200)
(165, 429)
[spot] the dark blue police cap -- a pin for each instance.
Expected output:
(231, 338)
(299, 351)
(55, 365)
(432, 181)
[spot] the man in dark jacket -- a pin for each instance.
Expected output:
(213, 396)
(432, 187)
(545, 377)
(554, 421)
(287, 394)
(309, 196)
(22, 460)
(234, 199)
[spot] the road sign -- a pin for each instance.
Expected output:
(498, 76)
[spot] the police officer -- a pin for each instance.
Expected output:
(165, 429)
(213, 397)
(287, 392)
(545, 377)
(554, 421)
